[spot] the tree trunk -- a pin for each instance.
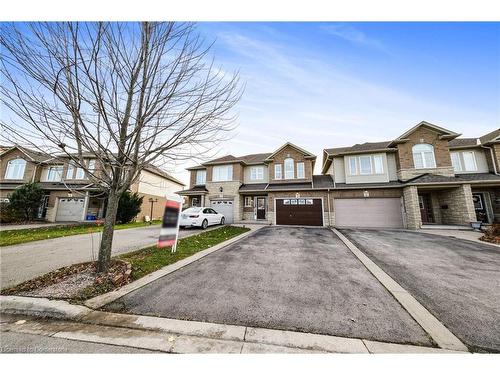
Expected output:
(104, 260)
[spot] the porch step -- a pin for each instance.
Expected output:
(446, 227)
(261, 222)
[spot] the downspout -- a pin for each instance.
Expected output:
(329, 208)
(492, 159)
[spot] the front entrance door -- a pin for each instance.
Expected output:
(261, 208)
(424, 201)
(480, 207)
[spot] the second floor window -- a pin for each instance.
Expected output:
(301, 173)
(423, 156)
(222, 173)
(278, 173)
(466, 163)
(201, 177)
(289, 169)
(366, 164)
(15, 169)
(54, 173)
(256, 173)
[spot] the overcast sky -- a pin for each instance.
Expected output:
(322, 85)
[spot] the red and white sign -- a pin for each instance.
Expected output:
(170, 226)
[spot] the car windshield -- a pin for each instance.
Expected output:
(192, 210)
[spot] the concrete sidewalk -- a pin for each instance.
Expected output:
(28, 260)
(101, 332)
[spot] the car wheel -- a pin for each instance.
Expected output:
(222, 221)
(204, 225)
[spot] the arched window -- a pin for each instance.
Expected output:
(423, 156)
(15, 169)
(289, 168)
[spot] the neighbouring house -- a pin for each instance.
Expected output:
(277, 187)
(428, 175)
(69, 194)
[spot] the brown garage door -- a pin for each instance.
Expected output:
(301, 211)
(369, 212)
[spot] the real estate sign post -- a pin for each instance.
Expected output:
(170, 226)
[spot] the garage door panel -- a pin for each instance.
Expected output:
(299, 214)
(369, 212)
(70, 209)
(225, 208)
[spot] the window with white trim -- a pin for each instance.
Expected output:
(70, 172)
(80, 174)
(353, 169)
(15, 169)
(201, 177)
(365, 165)
(256, 173)
(301, 173)
(455, 161)
(378, 164)
(469, 161)
(278, 173)
(54, 173)
(423, 156)
(289, 169)
(91, 165)
(222, 173)
(464, 161)
(248, 202)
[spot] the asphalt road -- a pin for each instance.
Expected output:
(25, 261)
(302, 279)
(456, 280)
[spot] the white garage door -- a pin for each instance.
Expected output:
(369, 212)
(225, 208)
(70, 209)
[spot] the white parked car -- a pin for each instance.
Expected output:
(200, 217)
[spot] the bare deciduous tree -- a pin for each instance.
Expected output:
(127, 94)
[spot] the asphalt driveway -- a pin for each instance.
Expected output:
(28, 260)
(456, 280)
(302, 279)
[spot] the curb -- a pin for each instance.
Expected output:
(104, 299)
(435, 329)
(42, 307)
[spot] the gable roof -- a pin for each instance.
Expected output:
(160, 172)
(307, 154)
(494, 136)
(445, 133)
(35, 156)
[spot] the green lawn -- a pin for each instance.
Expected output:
(150, 259)
(13, 237)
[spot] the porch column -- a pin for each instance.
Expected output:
(462, 203)
(412, 208)
(85, 206)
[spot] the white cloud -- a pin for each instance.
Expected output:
(353, 35)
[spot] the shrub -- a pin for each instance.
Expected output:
(7, 214)
(128, 207)
(26, 200)
(492, 234)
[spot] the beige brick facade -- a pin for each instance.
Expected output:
(297, 156)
